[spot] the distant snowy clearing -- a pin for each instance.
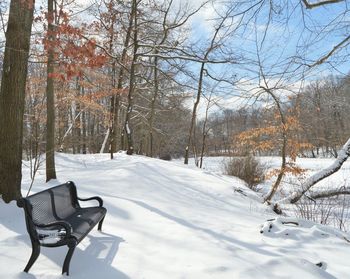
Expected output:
(311, 165)
(167, 220)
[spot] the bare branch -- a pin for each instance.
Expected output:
(331, 193)
(329, 54)
(319, 4)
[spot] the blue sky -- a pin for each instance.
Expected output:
(292, 36)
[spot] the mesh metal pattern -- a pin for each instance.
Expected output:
(63, 201)
(60, 203)
(42, 210)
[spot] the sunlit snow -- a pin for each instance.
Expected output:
(167, 220)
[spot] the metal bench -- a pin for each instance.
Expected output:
(54, 218)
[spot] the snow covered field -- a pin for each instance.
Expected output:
(167, 220)
(311, 165)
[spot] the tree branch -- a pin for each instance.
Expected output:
(319, 4)
(331, 193)
(329, 54)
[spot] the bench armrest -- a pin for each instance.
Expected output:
(100, 201)
(65, 225)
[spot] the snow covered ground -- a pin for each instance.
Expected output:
(167, 220)
(311, 165)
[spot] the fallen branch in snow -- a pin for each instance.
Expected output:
(344, 153)
(290, 223)
(240, 191)
(331, 193)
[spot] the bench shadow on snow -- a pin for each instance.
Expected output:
(93, 262)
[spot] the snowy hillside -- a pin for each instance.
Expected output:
(166, 220)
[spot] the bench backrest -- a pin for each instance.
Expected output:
(53, 204)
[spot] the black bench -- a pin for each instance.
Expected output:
(54, 218)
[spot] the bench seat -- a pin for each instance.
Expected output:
(55, 218)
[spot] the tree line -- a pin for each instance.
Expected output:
(320, 110)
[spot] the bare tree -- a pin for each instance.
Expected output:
(214, 44)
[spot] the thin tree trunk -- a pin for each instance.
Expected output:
(204, 133)
(194, 113)
(115, 98)
(153, 104)
(50, 102)
(199, 90)
(12, 95)
(104, 143)
(283, 151)
(83, 124)
(113, 111)
(132, 81)
(77, 118)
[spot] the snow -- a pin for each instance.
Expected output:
(169, 220)
(127, 128)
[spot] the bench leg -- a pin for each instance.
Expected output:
(66, 263)
(34, 256)
(100, 224)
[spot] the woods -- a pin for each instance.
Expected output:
(171, 79)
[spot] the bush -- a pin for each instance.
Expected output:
(247, 168)
(166, 157)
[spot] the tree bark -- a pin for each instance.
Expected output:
(50, 102)
(194, 113)
(204, 133)
(283, 150)
(127, 127)
(12, 95)
(115, 101)
(153, 105)
(83, 124)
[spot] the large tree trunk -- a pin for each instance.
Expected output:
(50, 102)
(12, 95)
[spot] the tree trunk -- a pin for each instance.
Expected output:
(127, 127)
(50, 102)
(116, 97)
(113, 112)
(204, 133)
(194, 113)
(77, 120)
(83, 124)
(281, 173)
(12, 95)
(153, 105)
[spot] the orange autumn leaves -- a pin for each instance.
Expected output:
(268, 138)
(73, 52)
